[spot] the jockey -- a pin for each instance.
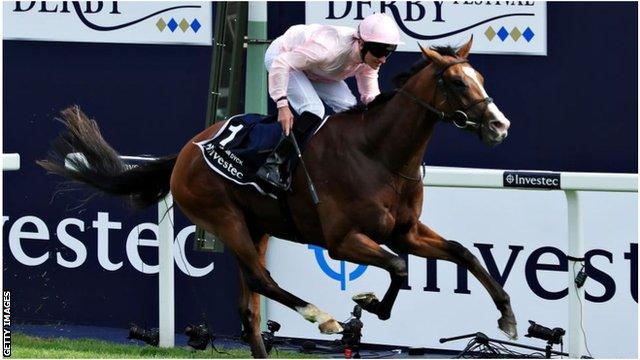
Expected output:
(308, 64)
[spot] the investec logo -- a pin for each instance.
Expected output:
(534, 263)
(538, 180)
(341, 274)
(33, 242)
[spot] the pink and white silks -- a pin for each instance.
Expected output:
(308, 65)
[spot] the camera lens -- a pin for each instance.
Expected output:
(544, 333)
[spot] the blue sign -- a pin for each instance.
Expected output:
(340, 275)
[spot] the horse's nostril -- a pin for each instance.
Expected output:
(498, 126)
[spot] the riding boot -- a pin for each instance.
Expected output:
(303, 124)
(275, 170)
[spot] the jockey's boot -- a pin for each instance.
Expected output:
(275, 170)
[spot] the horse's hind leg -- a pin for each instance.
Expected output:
(206, 201)
(261, 282)
(229, 225)
(424, 242)
(250, 320)
(249, 308)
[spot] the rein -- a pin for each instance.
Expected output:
(407, 177)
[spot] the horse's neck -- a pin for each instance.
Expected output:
(402, 128)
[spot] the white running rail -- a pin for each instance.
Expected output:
(569, 182)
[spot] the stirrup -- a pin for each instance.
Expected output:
(272, 175)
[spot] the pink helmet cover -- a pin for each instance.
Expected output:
(379, 28)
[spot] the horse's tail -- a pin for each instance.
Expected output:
(101, 166)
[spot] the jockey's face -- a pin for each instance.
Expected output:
(374, 62)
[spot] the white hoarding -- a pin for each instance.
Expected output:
(498, 27)
(522, 236)
(108, 22)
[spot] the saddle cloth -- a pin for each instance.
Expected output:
(243, 144)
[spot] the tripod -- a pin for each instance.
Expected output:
(482, 346)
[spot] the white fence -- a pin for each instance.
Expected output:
(569, 182)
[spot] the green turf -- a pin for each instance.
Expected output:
(24, 346)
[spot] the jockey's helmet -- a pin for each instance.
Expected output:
(379, 28)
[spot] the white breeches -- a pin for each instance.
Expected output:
(306, 95)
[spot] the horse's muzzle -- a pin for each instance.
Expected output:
(495, 130)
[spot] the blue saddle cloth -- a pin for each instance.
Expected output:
(241, 146)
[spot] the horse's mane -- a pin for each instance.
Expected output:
(399, 80)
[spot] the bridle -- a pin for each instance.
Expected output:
(459, 117)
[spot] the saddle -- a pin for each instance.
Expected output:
(243, 144)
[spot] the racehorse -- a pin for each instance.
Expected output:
(365, 164)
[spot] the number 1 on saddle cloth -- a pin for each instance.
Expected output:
(250, 149)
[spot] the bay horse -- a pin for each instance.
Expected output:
(365, 164)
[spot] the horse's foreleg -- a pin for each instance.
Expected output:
(427, 243)
(361, 249)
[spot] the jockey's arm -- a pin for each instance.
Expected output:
(367, 81)
(303, 57)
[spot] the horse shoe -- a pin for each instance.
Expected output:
(367, 301)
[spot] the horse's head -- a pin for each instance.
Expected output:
(461, 96)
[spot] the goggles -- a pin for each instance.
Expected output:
(378, 49)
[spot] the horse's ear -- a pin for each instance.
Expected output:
(463, 52)
(432, 55)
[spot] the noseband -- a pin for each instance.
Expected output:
(459, 117)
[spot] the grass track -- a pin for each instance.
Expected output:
(25, 346)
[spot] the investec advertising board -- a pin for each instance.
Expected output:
(520, 236)
(498, 27)
(124, 22)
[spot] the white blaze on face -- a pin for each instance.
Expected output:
(498, 122)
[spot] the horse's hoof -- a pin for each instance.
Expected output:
(367, 301)
(384, 315)
(330, 327)
(508, 327)
(365, 296)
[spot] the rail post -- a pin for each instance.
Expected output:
(166, 292)
(575, 251)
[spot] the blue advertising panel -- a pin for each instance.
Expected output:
(147, 99)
